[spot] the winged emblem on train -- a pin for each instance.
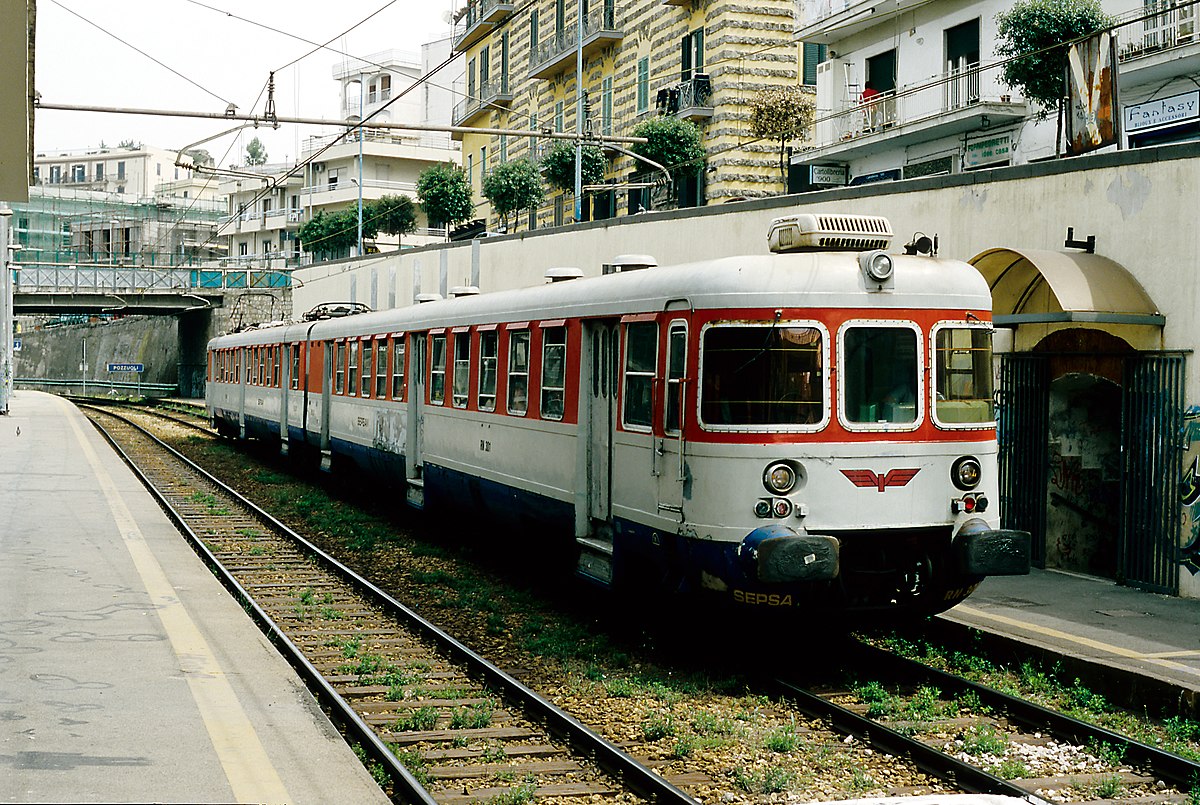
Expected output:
(869, 478)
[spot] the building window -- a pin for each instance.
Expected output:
(488, 340)
(158, 169)
(99, 171)
(470, 168)
(482, 162)
(813, 56)
(692, 61)
(485, 68)
(79, 173)
(55, 174)
(504, 148)
(606, 105)
(533, 126)
(643, 85)
(471, 93)
(518, 372)
(121, 170)
(559, 116)
(533, 30)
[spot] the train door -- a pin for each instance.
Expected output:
(670, 450)
(593, 509)
(286, 373)
(243, 368)
(414, 462)
(327, 371)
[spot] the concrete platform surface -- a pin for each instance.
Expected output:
(1094, 619)
(127, 673)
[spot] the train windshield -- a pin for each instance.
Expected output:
(879, 373)
(962, 375)
(762, 374)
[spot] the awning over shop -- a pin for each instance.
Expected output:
(1031, 286)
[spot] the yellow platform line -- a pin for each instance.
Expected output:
(1157, 658)
(249, 770)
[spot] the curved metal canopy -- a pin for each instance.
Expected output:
(1035, 286)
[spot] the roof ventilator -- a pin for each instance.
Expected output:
(814, 231)
(563, 273)
(463, 290)
(630, 262)
(428, 297)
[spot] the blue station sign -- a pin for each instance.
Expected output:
(127, 367)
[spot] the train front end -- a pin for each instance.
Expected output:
(848, 455)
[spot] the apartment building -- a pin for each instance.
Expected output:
(337, 171)
(911, 88)
(134, 170)
(701, 61)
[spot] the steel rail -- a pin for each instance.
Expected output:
(612, 759)
(926, 758)
(1171, 767)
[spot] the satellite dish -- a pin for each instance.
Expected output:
(447, 16)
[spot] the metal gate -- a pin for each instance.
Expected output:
(1023, 425)
(1151, 440)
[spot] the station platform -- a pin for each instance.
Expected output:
(1150, 643)
(127, 672)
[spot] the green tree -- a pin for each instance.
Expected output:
(782, 113)
(334, 232)
(445, 195)
(395, 215)
(672, 143)
(256, 152)
(513, 186)
(558, 165)
(1042, 28)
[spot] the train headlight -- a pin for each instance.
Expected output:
(877, 265)
(966, 472)
(779, 478)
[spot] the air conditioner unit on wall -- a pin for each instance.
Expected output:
(318, 167)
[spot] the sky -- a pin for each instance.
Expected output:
(220, 53)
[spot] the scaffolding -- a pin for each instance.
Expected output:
(69, 225)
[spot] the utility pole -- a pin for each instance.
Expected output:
(361, 80)
(579, 114)
(6, 314)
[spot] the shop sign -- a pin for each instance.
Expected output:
(988, 151)
(828, 174)
(1161, 113)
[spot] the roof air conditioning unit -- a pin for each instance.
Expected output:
(563, 273)
(813, 231)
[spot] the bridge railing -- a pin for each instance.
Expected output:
(54, 278)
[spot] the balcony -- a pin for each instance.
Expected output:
(835, 20)
(480, 18)
(946, 105)
(553, 55)
(492, 95)
(688, 100)
(1157, 42)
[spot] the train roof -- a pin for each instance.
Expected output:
(811, 279)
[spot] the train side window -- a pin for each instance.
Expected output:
(368, 368)
(352, 368)
(518, 372)
(554, 371)
(764, 374)
(462, 370)
(962, 376)
(294, 379)
(398, 368)
(676, 375)
(880, 374)
(339, 369)
(277, 353)
(488, 341)
(641, 357)
(381, 368)
(437, 371)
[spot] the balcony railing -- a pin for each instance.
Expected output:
(492, 94)
(929, 99)
(1170, 24)
(377, 135)
(552, 54)
(479, 19)
(690, 100)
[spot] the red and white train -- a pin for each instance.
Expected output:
(810, 427)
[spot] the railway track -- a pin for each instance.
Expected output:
(991, 742)
(444, 724)
(193, 417)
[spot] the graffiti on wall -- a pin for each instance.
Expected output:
(1189, 555)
